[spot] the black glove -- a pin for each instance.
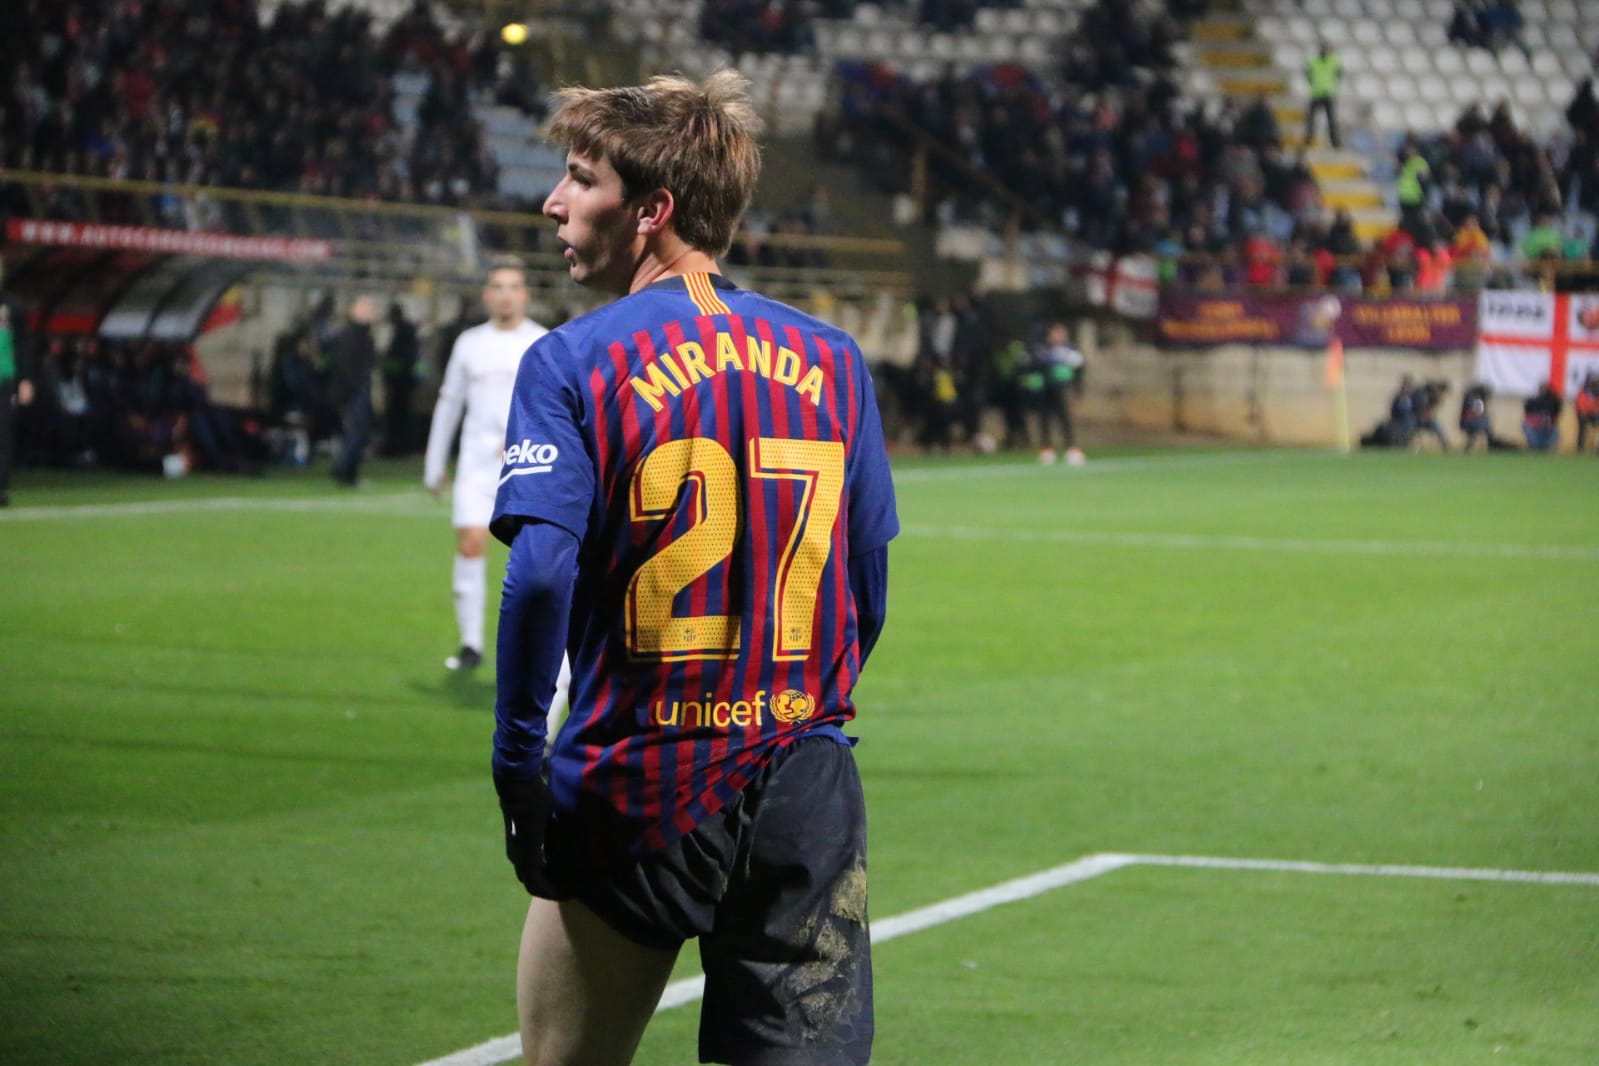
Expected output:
(525, 805)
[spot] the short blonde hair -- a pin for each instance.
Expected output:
(697, 141)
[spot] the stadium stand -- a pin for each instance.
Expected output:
(1042, 132)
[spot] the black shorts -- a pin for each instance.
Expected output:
(774, 887)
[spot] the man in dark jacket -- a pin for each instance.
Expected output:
(352, 356)
(16, 386)
(399, 381)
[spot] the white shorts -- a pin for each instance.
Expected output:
(477, 478)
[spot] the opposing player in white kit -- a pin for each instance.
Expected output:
(478, 383)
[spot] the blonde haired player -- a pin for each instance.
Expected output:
(477, 386)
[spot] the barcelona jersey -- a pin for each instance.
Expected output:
(719, 457)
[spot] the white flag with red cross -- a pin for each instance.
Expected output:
(1527, 338)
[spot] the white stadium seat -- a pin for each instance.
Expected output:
(1402, 34)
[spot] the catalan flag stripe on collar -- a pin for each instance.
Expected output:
(703, 293)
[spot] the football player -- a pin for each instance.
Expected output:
(698, 504)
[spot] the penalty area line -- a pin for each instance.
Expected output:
(689, 989)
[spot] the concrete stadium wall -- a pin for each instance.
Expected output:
(1266, 395)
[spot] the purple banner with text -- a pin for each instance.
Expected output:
(1201, 320)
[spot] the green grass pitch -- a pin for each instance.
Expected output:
(245, 816)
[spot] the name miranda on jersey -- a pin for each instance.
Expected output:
(689, 363)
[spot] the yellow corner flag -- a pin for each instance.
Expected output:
(1333, 375)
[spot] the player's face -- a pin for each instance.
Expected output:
(596, 223)
(505, 297)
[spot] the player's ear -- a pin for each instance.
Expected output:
(654, 211)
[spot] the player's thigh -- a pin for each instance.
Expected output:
(584, 992)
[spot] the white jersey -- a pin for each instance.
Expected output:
(478, 382)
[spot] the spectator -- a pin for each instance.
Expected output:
(1058, 367)
(1411, 189)
(1474, 422)
(1402, 413)
(1465, 26)
(1542, 242)
(1471, 253)
(1540, 422)
(1434, 267)
(1587, 405)
(401, 361)
(16, 380)
(1323, 72)
(1257, 125)
(1502, 24)
(292, 399)
(1425, 402)
(351, 359)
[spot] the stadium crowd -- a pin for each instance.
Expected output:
(1117, 157)
(204, 92)
(132, 405)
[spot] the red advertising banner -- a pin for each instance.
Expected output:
(1202, 320)
(166, 242)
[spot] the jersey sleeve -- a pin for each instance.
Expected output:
(873, 517)
(548, 473)
(447, 413)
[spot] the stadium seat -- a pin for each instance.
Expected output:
(1386, 116)
(1418, 63)
(1576, 64)
(1300, 28)
(1435, 36)
(1419, 117)
(1050, 23)
(1547, 66)
(1400, 34)
(1365, 85)
(1433, 91)
(1532, 94)
(1448, 64)
(1334, 33)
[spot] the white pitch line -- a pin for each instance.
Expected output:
(690, 989)
(1439, 873)
(1127, 463)
(388, 504)
(679, 993)
(415, 504)
(1321, 546)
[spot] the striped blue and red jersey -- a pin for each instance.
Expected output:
(720, 459)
